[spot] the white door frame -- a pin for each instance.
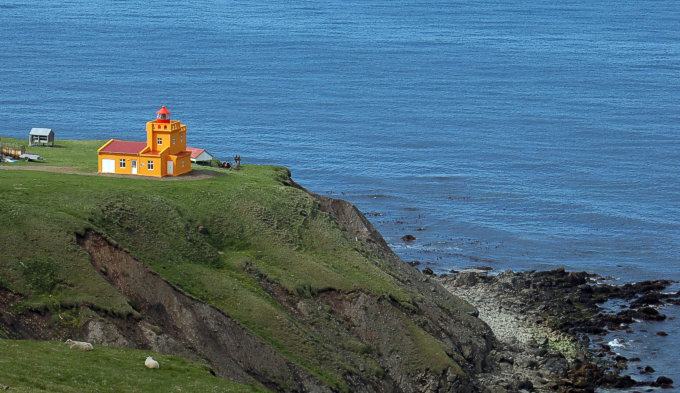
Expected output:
(133, 167)
(171, 168)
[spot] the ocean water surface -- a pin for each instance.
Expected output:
(514, 135)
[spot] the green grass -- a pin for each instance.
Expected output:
(49, 366)
(82, 155)
(257, 235)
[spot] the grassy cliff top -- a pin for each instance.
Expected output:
(76, 154)
(263, 247)
(253, 219)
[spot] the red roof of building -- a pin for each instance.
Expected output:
(163, 111)
(195, 152)
(124, 147)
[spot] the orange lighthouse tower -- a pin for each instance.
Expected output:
(164, 153)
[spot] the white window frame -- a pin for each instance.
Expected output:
(159, 141)
(149, 165)
(121, 163)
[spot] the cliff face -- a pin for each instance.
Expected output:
(450, 319)
(248, 272)
(172, 322)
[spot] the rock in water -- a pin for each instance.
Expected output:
(408, 238)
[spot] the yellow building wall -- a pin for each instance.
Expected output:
(127, 170)
(184, 164)
(166, 131)
(157, 170)
(181, 165)
(160, 164)
(178, 141)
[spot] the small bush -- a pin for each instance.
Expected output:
(41, 274)
(306, 291)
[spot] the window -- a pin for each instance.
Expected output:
(173, 140)
(182, 163)
(165, 127)
(150, 165)
(121, 163)
(181, 138)
(159, 141)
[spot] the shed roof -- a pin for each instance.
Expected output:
(124, 147)
(196, 152)
(40, 131)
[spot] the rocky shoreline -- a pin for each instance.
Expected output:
(545, 320)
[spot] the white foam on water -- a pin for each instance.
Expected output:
(617, 343)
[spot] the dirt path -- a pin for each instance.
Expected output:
(196, 174)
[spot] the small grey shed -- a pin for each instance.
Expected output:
(39, 136)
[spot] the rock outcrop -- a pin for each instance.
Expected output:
(545, 320)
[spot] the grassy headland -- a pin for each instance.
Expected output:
(267, 250)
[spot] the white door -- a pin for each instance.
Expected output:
(171, 168)
(133, 167)
(108, 165)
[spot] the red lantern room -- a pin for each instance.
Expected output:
(163, 115)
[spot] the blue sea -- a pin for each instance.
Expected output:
(514, 135)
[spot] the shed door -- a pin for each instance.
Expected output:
(108, 165)
(171, 168)
(133, 167)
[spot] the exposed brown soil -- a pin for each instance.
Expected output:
(176, 323)
(17, 323)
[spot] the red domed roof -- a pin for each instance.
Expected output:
(163, 111)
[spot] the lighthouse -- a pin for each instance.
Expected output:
(164, 154)
(163, 115)
(168, 139)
